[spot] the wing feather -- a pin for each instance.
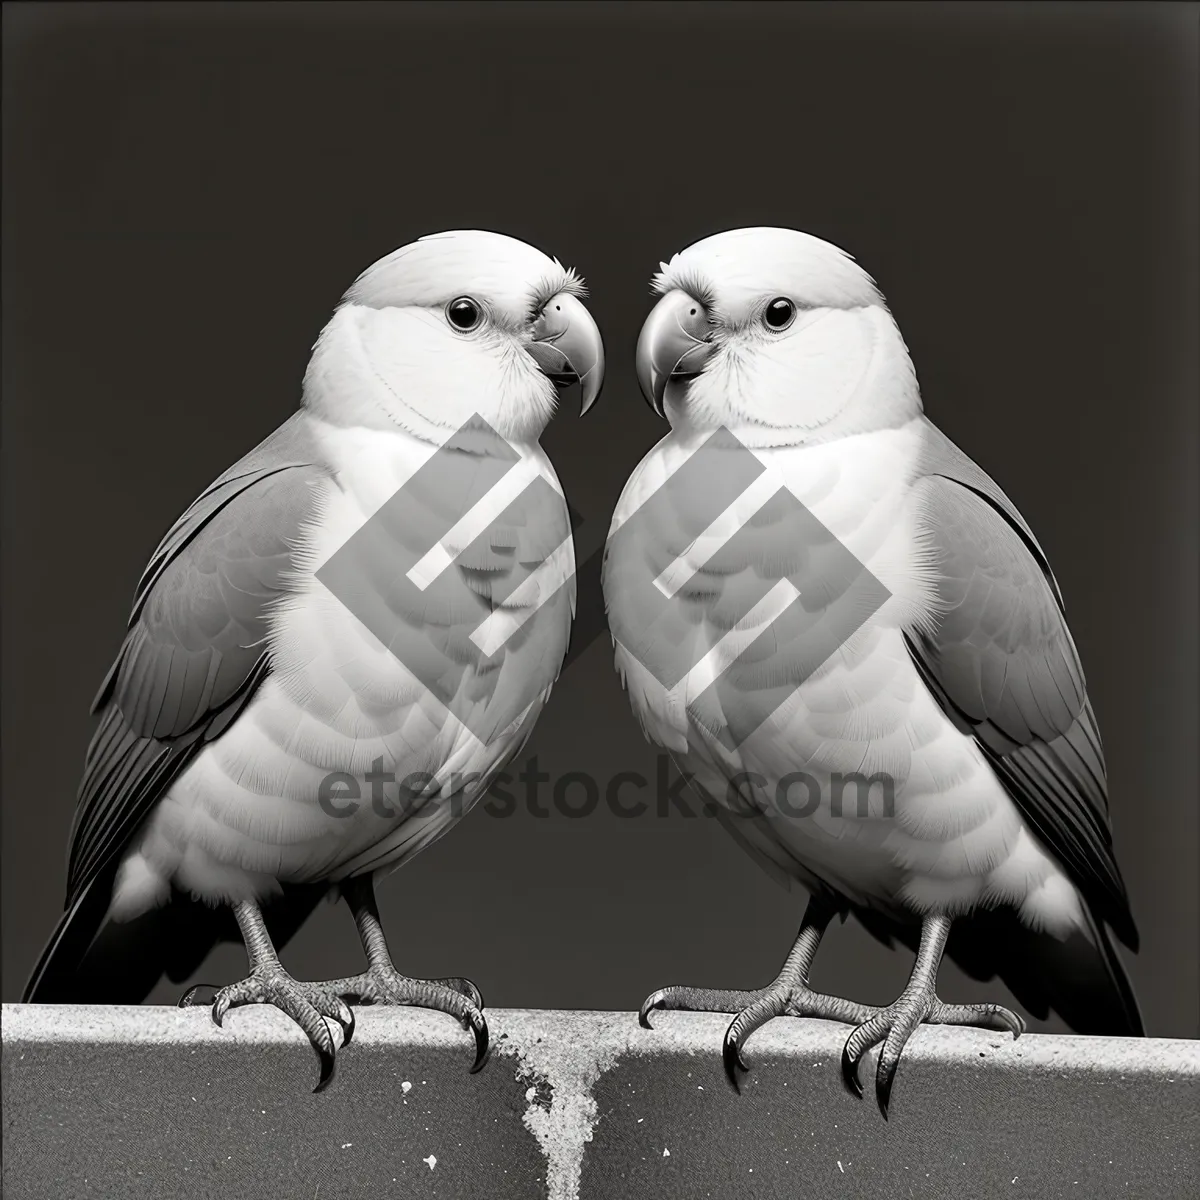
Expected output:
(195, 649)
(1003, 665)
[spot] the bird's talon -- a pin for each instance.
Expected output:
(315, 1007)
(731, 1056)
(884, 1078)
(481, 1044)
(464, 987)
(731, 1050)
(345, 1019)
(190, 998)
(651, 1002)
(454, 996)
(850, 1074)
(328, 1066)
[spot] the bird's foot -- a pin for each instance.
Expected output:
(310, 1005)
(783, 998)
(894, 1025)
(460, 998)
(690, 999)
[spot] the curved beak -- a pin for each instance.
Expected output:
(674, 345)
(568, 348)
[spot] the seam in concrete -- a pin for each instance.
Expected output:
(559, 1060)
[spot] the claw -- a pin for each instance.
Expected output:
(850, 1072)
(307, 1004)
(481, 1043)
(731, 1047)
(345, 1019)
(328, 1065)
(464, 987)
(885, 1076)
(455, 983)
(458, 998)
(731, 1056)
(651, 1002)
(189, 998)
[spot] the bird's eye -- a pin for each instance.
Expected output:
(780, 313)
(464, 314)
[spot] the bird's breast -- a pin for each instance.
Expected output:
(807, 717)
(408, 663)
(759, 568)
(433, 582)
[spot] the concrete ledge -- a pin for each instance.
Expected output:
(158, 1102)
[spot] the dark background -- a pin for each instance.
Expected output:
(189, 189)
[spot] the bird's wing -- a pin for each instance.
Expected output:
(195, 649)
(1002, 664)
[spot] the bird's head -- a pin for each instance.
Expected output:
(774, 334)
(454, 325)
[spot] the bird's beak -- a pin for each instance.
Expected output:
(568, 348)
(674, 345)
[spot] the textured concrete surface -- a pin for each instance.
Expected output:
(973, 1114)
(155, 1102)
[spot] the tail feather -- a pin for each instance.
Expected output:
(93, 960)
(1081, 979)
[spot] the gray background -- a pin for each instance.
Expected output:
(188, 190)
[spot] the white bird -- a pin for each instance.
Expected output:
(327, 611)
(942, 680)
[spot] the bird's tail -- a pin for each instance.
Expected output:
(93, 960)
(1081, 979)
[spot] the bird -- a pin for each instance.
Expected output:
(808, 584)
(366, 597)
